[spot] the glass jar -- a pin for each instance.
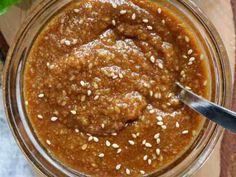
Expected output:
(188, 164)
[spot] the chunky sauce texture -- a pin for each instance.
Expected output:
(99, 87)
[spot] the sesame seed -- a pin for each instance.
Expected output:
(185, 132)
(188, 88)
(158, 140)
(145, 157)
(116, 146)
(114, 134)
(177, 124)
(121, 75)
(158, 151)
(67, 42)
(118, 166)
(77, 130)
(76, 10)
(73, 112)
(103, 125)
(156, 136)
(82, 83)
(114, 77)
(40, 116)
(123, 12)
(134, 135)
(142, 172)
(89, 92)
(159, 118)
(184, 56)
(149, 27)
(48, 142)
(186, 38)
(149, 161)
(144, 141)
(41, 95)
(90, 138)
(131, 142)
(160, 65)
(108, 143)
(145, 20)
(151, 93)
(114, 6)
(152, 111)
(163, 21)
(148, 145)
(159, 10)
(84, 147)
(113, 22)
(101, 155)
(133, 16)
(96, 97)
(205, 83)
(190, 51)
(191, 59)
(95, 139)
(118, 151)
(53, 119)
(152, 59)
(160, 123)
(127, 171)
(163, 127)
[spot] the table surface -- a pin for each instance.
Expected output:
(222, 162)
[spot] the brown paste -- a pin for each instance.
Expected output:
(100, 90)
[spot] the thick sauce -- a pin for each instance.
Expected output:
(100, 90)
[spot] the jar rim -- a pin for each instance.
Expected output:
(223, 61)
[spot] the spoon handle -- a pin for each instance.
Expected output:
(215, 113)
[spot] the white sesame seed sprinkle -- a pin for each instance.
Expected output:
(158, 151)
(177, 124)
(152, 59)
(145, 20)
(89, 92)
(144, 142)
(185, 132)
(121, 75)
(134, 135)
(118, 151)
(127, 171)
(116, 146)
(190, 51)
(48, 142)
(148, 145)
(160, 65)
(133, 16)
(142, 172)
(157, 135)
(40, 116)
(191, 59)
(160, 123)
(149, 161)
(67, 42)
(84, 147)
(95, 139)
(164, 127)
(131, 142)
(90, 138)
(114, 5)
(145, 157)
(159, 10)
(101, 155)
(186, 38)
(41, 95)
(152, 111)
(103, 125)
(158, 140)
(151, 93)
(163, 21)
(96, 97)
(77, 130)
(149, 27)
(118, 166)
(123, 12)
(108, 143)
(114, 134)
(113, 22)
(53, 119)
(73, 112)
(159, 118)
(82, 83)
(76, 10)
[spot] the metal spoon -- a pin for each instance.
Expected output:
(215, 113)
